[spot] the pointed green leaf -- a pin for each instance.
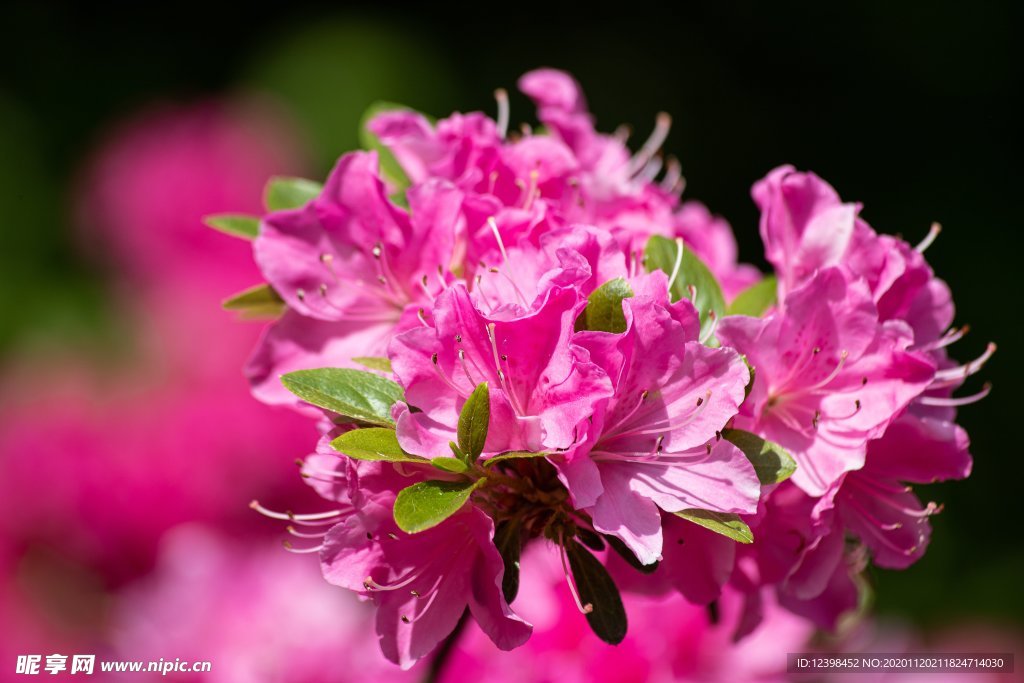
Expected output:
(673, 257)
(428, 503)
(607, 616)
(604, 307)
(725, 523)
(374, 363)
(374, 443)
(473, 423)
(629, 556)
(289, 193)
(390, 169)
(236, 225)
(511, 455)
(447, 464)
(755, 299)
(357, 394)
(772, 463)
(508, 539)
(260, 301)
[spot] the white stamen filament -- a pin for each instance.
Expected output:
(506, 383)
(662, 125)
(501, 95)
(967, 369)
(678, 264)
(493, 225)
(313, 519)
(447, 380)
(301, 551)
(933, 232)
(673, 172)
(649, 172)
(942, 402)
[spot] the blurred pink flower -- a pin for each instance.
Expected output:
(258, 614)
(153, 178)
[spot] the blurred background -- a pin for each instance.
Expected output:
(130, 447)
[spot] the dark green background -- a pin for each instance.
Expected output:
(913, 109)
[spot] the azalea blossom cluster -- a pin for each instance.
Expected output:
(517, 338)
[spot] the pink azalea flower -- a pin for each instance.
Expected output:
(799, 555)
(876, 504)
(804, 225)
(422, 583)
(510, 282)
(542, 385)
(828, 376)
(352, 268)
(656, 442)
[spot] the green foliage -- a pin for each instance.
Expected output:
(260, 301)
(604, 307)
(672, 257)
(425, 505)
(236, 225)
(511, 455)
(508, 539)
(356, 394)
(455, 465)
(725, 523)
(374, 363)
(473, 423)
(756, 299)
(772, 463)
(607, 616)
(283, 193)
(373, 443)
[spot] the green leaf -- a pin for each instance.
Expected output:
(604, 307)
(590, 539)
(772, 463)
(629, 556)
(428, 503)
(509, 541)
(662, 254)
(289, 193)
(756, 299)
(511, 455)
(447, 464)
(473, 423)
(234, 224)
(374, 443)
(607, 616)
(374, 363)
(725, 523)
(357, 394)
(260, 301)
(390, 169)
